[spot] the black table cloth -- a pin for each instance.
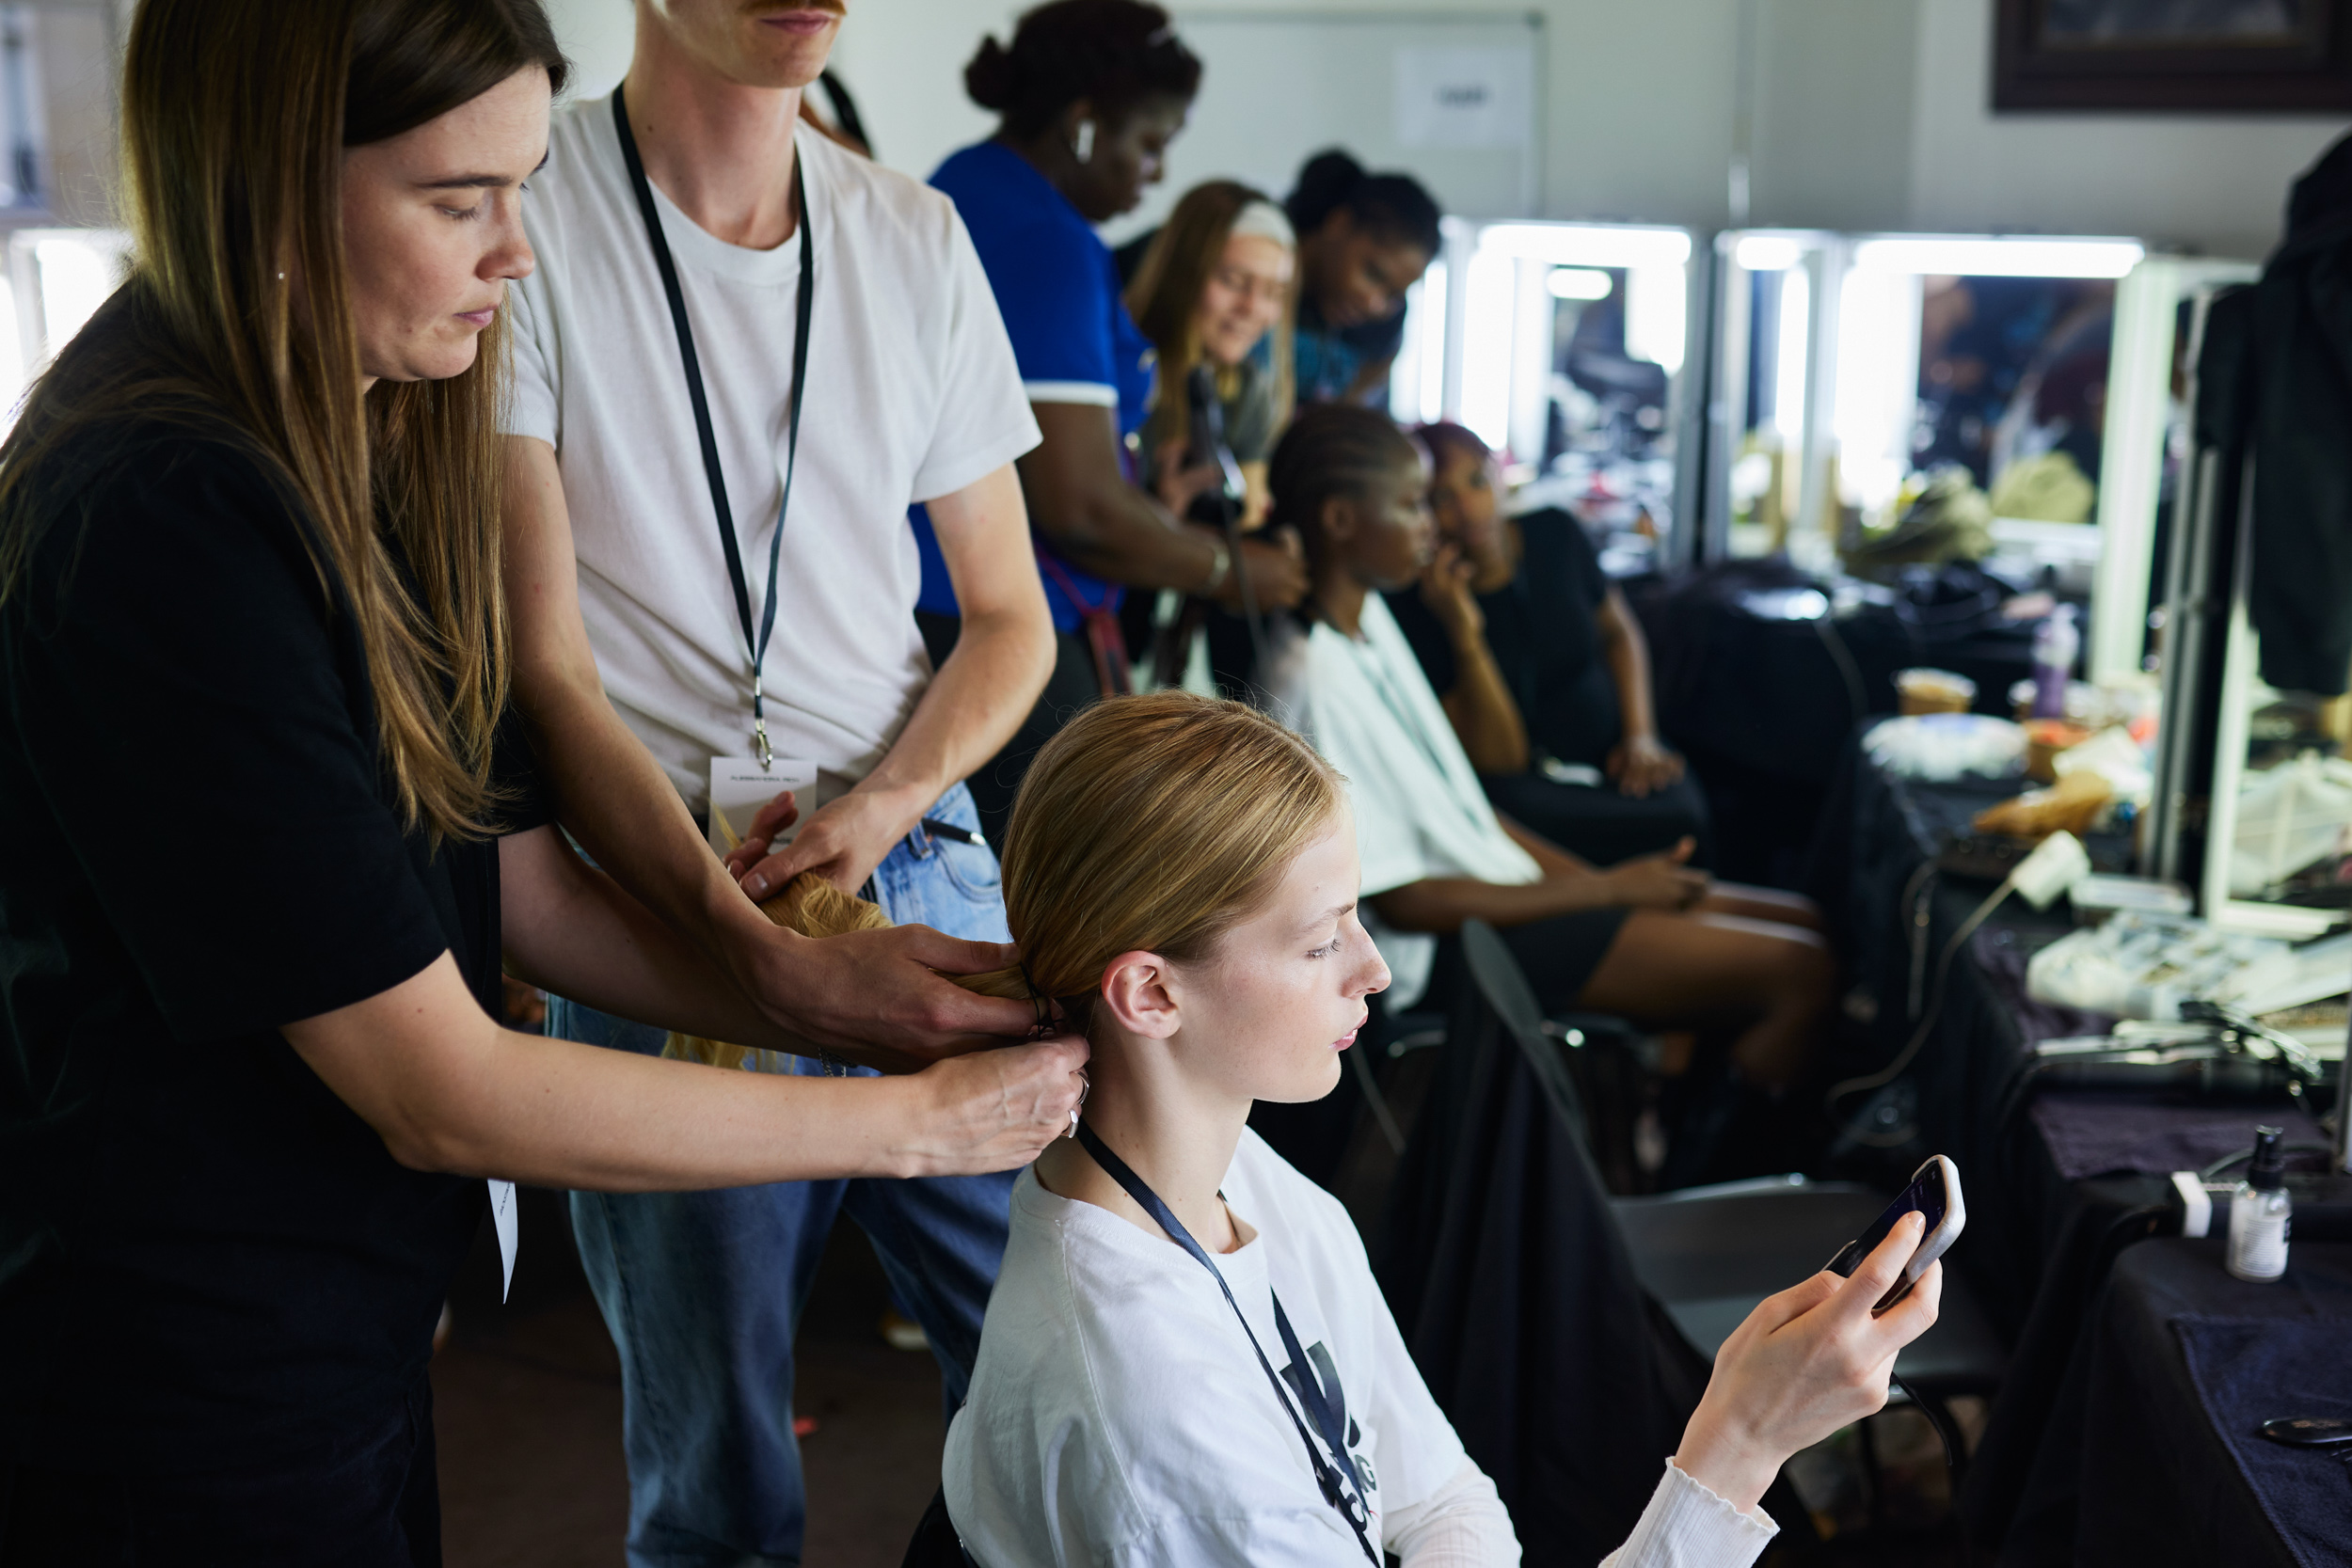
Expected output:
(2151, 1456)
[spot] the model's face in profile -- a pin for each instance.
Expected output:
(753, 43)
(433, 229)
(1267, 1013)
(1385, 535)
(1244, 296)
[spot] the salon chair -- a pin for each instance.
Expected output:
(1709, 1255)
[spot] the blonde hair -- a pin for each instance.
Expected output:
(1150, 823)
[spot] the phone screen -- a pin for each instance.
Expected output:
(1924, 1194)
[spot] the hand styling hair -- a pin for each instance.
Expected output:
(1150, 823)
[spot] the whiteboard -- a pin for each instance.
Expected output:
(1453, 99)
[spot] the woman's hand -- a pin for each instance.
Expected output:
(1642, 764)
(1806, 1362)
(1662, 881)
(1445, 588)
(1180, 484)
(1276, 564)
(995, 1110)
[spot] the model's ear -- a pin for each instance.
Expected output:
(1137, 992)
(1341, 518)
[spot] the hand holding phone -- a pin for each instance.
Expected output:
(1934, 1196)
(1811, 1359)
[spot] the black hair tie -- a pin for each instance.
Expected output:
(1038, 999)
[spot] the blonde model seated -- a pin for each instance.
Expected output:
(1186, 1360)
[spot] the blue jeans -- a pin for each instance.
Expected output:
(703, 1291)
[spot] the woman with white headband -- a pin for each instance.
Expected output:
(1216, 293)
(1218, 279)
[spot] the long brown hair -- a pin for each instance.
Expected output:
(1165, 298)
(1150, 823)
(236, 115)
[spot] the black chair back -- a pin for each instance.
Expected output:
(1512, 1285)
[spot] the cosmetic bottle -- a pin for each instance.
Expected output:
(2259, 1212)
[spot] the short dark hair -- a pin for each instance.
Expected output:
(1113, 53)
(1391, 206)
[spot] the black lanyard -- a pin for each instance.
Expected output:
(756, 646)
(1331, 1418)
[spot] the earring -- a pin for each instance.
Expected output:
(1082, 145)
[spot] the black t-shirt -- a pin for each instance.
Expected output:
(1546, 639)
(205, 1257)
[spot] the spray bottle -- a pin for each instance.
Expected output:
(2259, 1213)
(2056, 642)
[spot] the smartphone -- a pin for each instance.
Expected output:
(1934, 1193)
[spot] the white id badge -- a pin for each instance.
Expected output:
(504, 1220)
(740, 786)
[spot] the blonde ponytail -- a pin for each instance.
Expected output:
(1150, 823)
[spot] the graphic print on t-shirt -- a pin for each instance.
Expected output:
(1303, 1384)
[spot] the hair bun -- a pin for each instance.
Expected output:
(989, 77)
(1323, 183)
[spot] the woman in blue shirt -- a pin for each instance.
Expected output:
(1091, 92)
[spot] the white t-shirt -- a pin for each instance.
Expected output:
(1119, 1415)
(913, 394)
(1365, 705)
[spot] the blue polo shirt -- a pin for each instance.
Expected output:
(1056, 286)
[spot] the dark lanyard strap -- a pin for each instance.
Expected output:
(1350, 1505)
(804, 308)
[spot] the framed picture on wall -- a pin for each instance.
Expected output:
(2237, 57)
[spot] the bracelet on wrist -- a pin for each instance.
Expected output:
(1221, 567)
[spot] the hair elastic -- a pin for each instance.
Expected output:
(1038, 999)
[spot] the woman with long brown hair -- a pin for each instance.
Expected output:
(250, 593)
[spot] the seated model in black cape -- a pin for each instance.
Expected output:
(250, 596)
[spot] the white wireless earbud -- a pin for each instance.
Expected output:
(1082, 145)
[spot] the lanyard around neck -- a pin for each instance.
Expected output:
(754, 643)
(1306, 1382)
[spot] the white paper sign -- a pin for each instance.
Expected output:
(1464, 97)
(508, 1224)
(740, 786)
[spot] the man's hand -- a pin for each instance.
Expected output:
(1642, 764)
(1445, 588)
(842, 842)
(1663, 881)
(1277, 567)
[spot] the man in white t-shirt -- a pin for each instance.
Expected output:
(623, 589)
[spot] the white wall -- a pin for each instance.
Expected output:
(2215, 182)
(1867, 113)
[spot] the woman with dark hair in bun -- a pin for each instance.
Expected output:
(1363, 240)
(1090, 93)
